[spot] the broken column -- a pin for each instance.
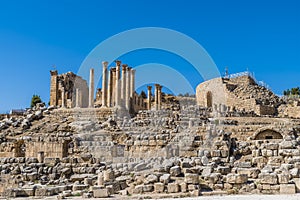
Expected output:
(127, 96)
(104, 84)
(91, 89)
(117, 91)
(149, 97)
(123, 84)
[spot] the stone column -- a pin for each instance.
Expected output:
(123, 84)
(132, 83)
(77, 98)
(109, 89)
(156, 96)
(63, 97)
(159, 97)
(104, 84)
(113, 88)
(118, 92)
(91, 89)
(127, 97)
(53, 88)
(149, 97)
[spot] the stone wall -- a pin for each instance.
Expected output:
(52, 147)
(240, 93)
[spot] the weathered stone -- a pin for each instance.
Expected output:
(283, 178)
(287, 189)
(159, 187)
(101, 193)
(165, 178)
(268, 178)
(151, 179)
(148, 188)
(237, 178)
(173, 188)
(191, 178)
(175, 171)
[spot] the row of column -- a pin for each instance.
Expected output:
(157, 97)
(117, 89)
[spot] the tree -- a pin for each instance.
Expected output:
(35, 100)
(295, 91)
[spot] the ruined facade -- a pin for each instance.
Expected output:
(65, 88)
(240, 93)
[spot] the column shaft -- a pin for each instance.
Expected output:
(63, 97)
(132, 83)
(149, 97)
(109, 89)
(117, 92)
(91, 89)
(156, 96)
(127, 97)
(123, 86)
(104, 84)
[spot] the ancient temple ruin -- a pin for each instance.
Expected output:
(67, 89)
(118, 90)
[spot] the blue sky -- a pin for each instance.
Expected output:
(263, 36)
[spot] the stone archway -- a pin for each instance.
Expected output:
(209, 100)
(268, 134)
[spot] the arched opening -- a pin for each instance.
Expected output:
(209, 102)
(268, 135)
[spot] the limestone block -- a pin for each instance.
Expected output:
(224, 153)
(287, 189)
(183, 187)
(173, 188)
(287, 144)
(140, 167)
(191, 178)
(101, 193)
(283, 178)
(237, 178)
(272, 146)
(195, 193)
(148, 188)
(251, 172)
(175, 171)
(151, 179)
(138, 189)
(297, 184)
(223, 170)
(165, 178)
(206, 171)
(216, 153)
(268, 178)
(159, 187)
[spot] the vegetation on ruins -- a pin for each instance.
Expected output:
(292, 91)
(35, 100)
